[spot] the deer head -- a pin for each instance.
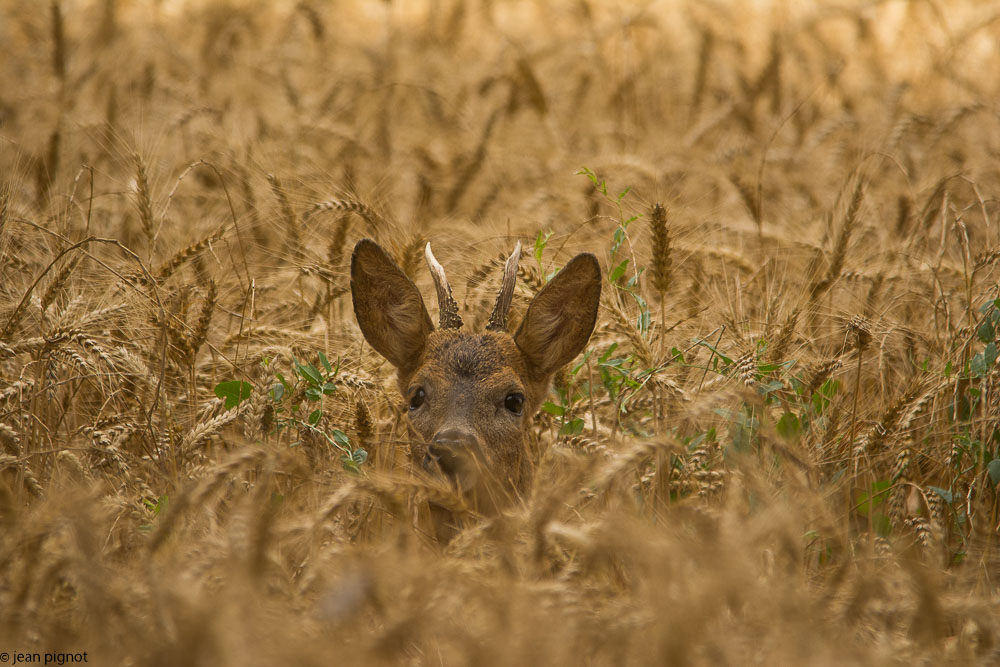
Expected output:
(469, 397)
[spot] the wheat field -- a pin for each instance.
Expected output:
(780, 446)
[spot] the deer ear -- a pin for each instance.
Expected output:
(561, 317)
(388, 306)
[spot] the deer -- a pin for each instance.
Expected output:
(469, 398)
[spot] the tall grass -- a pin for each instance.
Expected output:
(780, 447)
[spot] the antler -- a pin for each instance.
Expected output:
(450, 319)
(498, 319)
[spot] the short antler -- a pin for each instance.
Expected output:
(498, 319)
(450, 319)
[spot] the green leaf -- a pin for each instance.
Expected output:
(341, 438)
(582, 362)
(310, 374)
(986, 332)
(947, 370)
(541, 240)
(329, 388)
(326, 363)
(315, 417)
(618, 239)
(604, 357)
(277, 391)
(742, 436)
(313, 394)
(705, 343)
(731, 415)
(830, 388)
(994, 470)
(589, 174)
(643, 322)
(621, 195)
(990, 354)
(693, 443)
(631, 282)
(573, 427)
(159, 506)
(553, 409)
(233, 392)
(618, 272)
(945, 494)
(773, 385)
(353, 460)
(282, 380)
(788, 426)
(878, 494)
(978, 366)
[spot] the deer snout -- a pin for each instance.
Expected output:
(453, 453)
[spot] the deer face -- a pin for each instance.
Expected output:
(469, 397)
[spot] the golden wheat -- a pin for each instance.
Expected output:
(779, 449)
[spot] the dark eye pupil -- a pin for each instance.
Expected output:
(418, 398)
(514, 403)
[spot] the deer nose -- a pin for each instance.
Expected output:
(453, 453)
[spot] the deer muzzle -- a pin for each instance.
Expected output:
(455, 453)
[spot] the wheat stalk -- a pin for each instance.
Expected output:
(143, 201)
(376, 222)
(293, 242)
(836, 264)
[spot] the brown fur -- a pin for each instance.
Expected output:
(466, 378)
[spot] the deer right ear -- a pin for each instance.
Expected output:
(388, 306)
(561, 317)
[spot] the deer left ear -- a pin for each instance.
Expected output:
(388, 306)
(561, 317)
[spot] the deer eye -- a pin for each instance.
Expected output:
(419, 395)
(514, 402)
